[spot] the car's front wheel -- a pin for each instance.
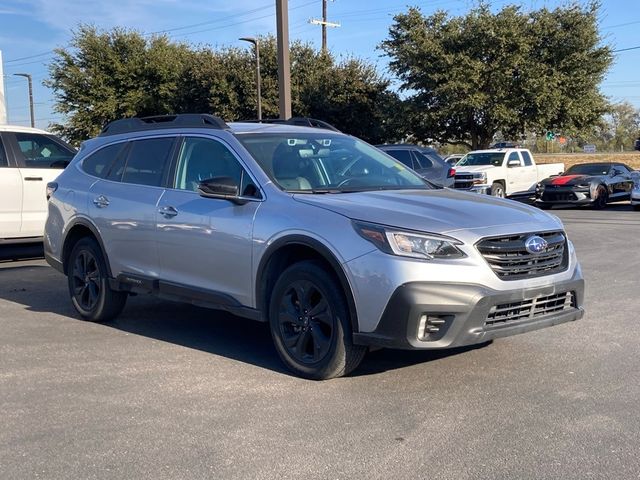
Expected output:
(602, 197)
(497, 190)
(310, 324)
(88, 282)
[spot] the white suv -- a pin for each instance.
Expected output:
(29, 158)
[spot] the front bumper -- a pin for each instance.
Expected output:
(459, 314)
(564, 196)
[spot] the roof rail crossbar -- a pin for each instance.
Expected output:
(135, 124)
(300, 121)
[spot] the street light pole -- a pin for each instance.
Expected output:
(28, 77)
(256, 43)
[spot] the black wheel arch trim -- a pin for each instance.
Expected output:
(324, 252)
(81, 221)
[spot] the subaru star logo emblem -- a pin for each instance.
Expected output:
(535, 244)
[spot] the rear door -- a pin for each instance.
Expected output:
(123, 204)
(40, 158)
(10, 195)
(621, 182)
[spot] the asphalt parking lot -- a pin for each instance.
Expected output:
(174, 391)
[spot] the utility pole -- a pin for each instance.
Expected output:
(324, 23)
(28, 77)
(256, 44)
(284, 66)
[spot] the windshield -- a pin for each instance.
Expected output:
(327, 163)
(589, 169)
(487, 158)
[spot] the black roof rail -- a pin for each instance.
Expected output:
(300, 121)
(136, 124)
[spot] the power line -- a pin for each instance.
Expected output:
(625, 49)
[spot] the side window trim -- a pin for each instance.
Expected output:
(20, 159)
(4, 158)
(173, 170)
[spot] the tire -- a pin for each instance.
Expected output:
(602, 197)
(88, 282)
(636, 208)
(544, 206)
(497, 190)
(310, 324)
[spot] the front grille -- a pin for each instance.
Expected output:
(510, 260)
(509, 313)
(463, 180)
(559, 197)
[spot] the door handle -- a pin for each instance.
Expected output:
(101, 201)
(33, 179)
(168, 212)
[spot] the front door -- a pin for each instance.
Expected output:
(205, 243)
(41, 159)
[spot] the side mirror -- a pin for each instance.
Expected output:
(513, 163)
(224, 188)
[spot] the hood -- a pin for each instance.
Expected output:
(568, 180)
(436, 211)
(473, 169)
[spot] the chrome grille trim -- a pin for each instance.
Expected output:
(509, 313)
(509, 259)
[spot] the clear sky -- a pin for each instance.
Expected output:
(32, 28)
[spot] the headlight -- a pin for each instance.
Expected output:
(479, 178)
(584, 185)
(426, 246)
(636, 186)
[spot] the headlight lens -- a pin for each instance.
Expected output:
(425, 246)
(636, 186)
(584, 185)
(479, 178)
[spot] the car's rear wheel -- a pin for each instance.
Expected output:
(602, 197)
(497, 190)
(636, 207)
(88, 282)
(310, 323)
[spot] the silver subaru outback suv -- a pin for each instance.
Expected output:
(337, 245)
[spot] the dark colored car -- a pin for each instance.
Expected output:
(424, 160)
(593, 184)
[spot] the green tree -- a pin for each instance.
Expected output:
(510, 71)
(103, 76)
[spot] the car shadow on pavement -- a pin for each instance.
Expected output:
(41, 289)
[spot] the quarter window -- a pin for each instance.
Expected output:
(422, 161)
(98, 163)
(146, 162)
(41, 151)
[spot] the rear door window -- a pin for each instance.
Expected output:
(527, 158)
(404, 156)
(43, 151)
(146, 163)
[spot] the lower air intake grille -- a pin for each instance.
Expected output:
(508, 313)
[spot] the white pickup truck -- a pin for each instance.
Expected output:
(504, 172)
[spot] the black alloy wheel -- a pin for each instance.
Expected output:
(88, 281)
(85, 279)
(306, 322)
(602, 197)
(310, 322)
